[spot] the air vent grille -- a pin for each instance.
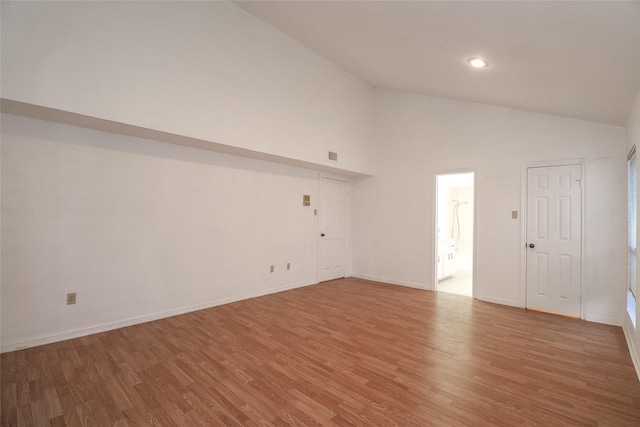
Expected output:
(333, 156)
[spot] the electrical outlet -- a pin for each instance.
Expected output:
(288, 266)
(272, 269)
(71, 298)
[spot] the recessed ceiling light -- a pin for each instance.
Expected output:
(477, 62)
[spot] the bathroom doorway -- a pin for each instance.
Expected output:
(455, 232)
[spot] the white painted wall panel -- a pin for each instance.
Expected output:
(139, 229)
(206, 70)
(417, 136)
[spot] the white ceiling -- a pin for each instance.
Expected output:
(577, 59)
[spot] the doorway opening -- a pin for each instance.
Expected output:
(455, 232)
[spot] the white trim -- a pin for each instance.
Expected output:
(523, 228)
(584, 291)
(604, 319)
(522, 303)
(48, 339)
(385, 280)
(628, 330)
(334, 177)
(434, 240)
(501, 301)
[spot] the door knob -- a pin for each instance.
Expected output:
(531, 245)
(321, 234)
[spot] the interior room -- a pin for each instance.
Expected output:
(229, 213)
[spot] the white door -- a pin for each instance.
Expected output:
(332, 242)
(554, 235)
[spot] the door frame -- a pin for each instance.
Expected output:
(347, 262)
(523, 227)
(434, 227)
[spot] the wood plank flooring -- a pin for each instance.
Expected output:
(342, 353)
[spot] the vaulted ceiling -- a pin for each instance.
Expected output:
(573, 59)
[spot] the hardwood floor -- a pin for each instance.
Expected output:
(346, 352)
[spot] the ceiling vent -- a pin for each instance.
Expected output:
(333, 156)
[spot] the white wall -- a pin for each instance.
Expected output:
(417, 136)
(633, 334)
(139, 229)
(205, 70)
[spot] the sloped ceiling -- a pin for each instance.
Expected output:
(573, 59)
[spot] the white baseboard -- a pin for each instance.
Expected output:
(604, 319)
(493, 300)
(391, 281)
(501, 301)
(77, 333)
(628, 330)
